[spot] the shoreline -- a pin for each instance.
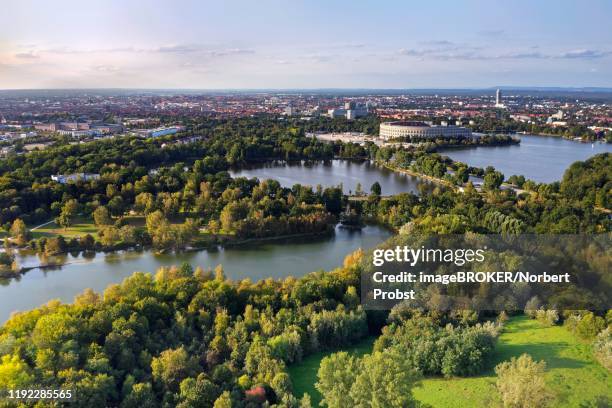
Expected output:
(230, 244)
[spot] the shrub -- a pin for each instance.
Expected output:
(571, 322)
(547, 317)
(590, 325)
(520, 383)
(602, 348)
(434, 350)
(532, 306)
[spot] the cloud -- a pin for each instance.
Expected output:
(523, 55)
(464, 52)
(319, 58)
(27, 55)
(105, 68)
(438, 42)
(177, 48)
(229, 51)
(584, 54)
(444, 53)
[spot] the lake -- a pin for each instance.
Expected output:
(275, 259)
(541, 158)
(332, 173)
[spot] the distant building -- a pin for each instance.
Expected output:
(409, 129)
(336, 113)
(351, 110)
(76, 129)
(161, 131)
(79, 133)
(65, 178)
(108, 128)
(559, 115)
(46, 127)
(290, 110)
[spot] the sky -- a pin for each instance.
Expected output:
(231, 44)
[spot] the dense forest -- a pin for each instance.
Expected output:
(191, 338)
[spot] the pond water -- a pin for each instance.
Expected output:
(276, 259)
(540, 158)
(332, 173)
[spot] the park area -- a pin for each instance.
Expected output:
(572, 374)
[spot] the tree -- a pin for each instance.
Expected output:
(336, 376)
(520, 383)
(171, 367)
(376, 189)
(56, 245)
(384, 380)
(67, 214)
(20, 232)
(198, 392)
(141, 396)
(381, 379)
(101, 216)
(14, 373)
(492, 180)
(224, 401)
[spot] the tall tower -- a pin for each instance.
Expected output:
(498, 97)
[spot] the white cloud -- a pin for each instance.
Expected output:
(27, 55)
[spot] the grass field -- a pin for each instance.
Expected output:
(80, 226)
(572, 373)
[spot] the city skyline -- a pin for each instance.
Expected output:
(243, 45)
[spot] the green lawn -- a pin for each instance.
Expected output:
(81, 226)
(304, 374)
(572, 373)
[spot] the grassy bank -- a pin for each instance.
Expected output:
(572, 373)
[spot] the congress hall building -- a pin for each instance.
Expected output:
(410, 129)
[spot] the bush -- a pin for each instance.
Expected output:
(532, 306)
(434, 350)
(520, 383)
(589, 326)
(547, 318)
(602, 348)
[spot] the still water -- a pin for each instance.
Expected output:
(276, 259)
(332, 173)
(540, 158)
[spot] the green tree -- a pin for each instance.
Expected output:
(14, 373)
(384, 381)
(224, 401)
(20, 232)
(171, 367)
(336, 376)
(101, 216)
(493, 180)
(376, 189)
(67, 214)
